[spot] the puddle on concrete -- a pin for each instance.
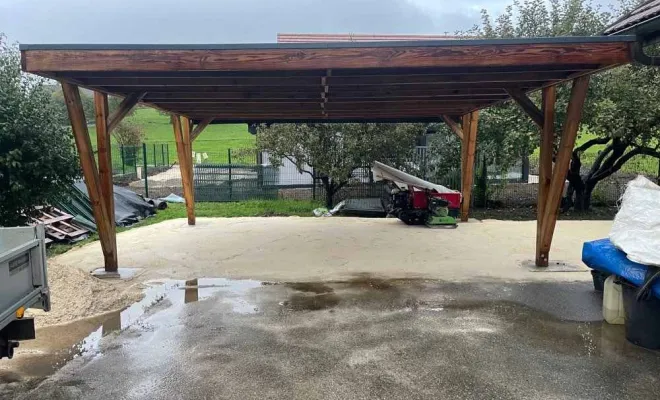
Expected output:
(307, 302)
(59, 344)
(444, 310)
(311, 287)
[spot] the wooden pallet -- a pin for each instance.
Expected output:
(59, 226)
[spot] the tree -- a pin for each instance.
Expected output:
(87, 98)
(331, 152)
(37, 157)
(128, 133)
(627, 123)
(619, 107)
(506, 134)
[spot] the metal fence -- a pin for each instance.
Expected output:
(244, 174)
(131, 163)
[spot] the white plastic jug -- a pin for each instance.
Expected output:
(613, 311)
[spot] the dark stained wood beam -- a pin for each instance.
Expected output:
(200, 114)
(273, 59)
(124, 109)
(348, 105)
(200, 128)
(527, 105)
(352, 72)
(104, 226)
(453, 126)
(335, 100)
(549, 98)
(336, 95)
(367, 80)
(277, 90)
(564, 153)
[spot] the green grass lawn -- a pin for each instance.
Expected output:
(250, 208)
(215, 140)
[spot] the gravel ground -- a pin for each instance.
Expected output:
(307, 249)
(76, 294)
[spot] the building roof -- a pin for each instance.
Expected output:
(354, 37)
(317, 82)
(643, 21)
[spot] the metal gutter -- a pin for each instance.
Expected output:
(337, 45)
(642, 58)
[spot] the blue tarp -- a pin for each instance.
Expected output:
(603, 256)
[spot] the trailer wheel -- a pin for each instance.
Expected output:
(7, 348)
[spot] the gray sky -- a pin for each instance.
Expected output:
(227, 21)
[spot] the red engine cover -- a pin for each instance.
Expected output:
(419, 200)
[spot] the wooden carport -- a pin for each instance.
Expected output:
(419, 81)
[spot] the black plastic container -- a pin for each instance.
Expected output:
(599, 279)
(642, 318)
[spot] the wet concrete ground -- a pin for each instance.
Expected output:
(360, 339)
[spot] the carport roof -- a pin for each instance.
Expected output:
(317, 82)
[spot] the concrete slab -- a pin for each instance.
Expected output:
(336, 248)
(121, 273)
(364, 338)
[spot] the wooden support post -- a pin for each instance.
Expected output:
(470, 125)
(105, 227)
(185, 167)
(104, 153)
(556, 189)
(186, 125)
(527, 106)
(124, 108)
(545, 165)
(465, 126)
(200, 128)
(453, 126)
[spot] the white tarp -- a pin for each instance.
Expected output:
(636, 228)
(385, 172)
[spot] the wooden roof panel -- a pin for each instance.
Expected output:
(327, 81)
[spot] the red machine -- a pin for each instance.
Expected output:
(416, 201)
(420, 198)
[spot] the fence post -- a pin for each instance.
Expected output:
(313, 184)
(162, 153)
(524, 169)
(144, 163)
(229, 162)
(123, 165)
(167, 146)
(155, 164)
(136, 154)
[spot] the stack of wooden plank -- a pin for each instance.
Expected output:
(60, 226)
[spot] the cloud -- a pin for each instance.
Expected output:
(221, 21)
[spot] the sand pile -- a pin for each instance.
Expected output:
(76, 294)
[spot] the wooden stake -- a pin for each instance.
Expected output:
(105, 228)
(185, 167)
(545, 166)
(469, 144)
(556, 189)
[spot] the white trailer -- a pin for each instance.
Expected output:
(23, 284)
